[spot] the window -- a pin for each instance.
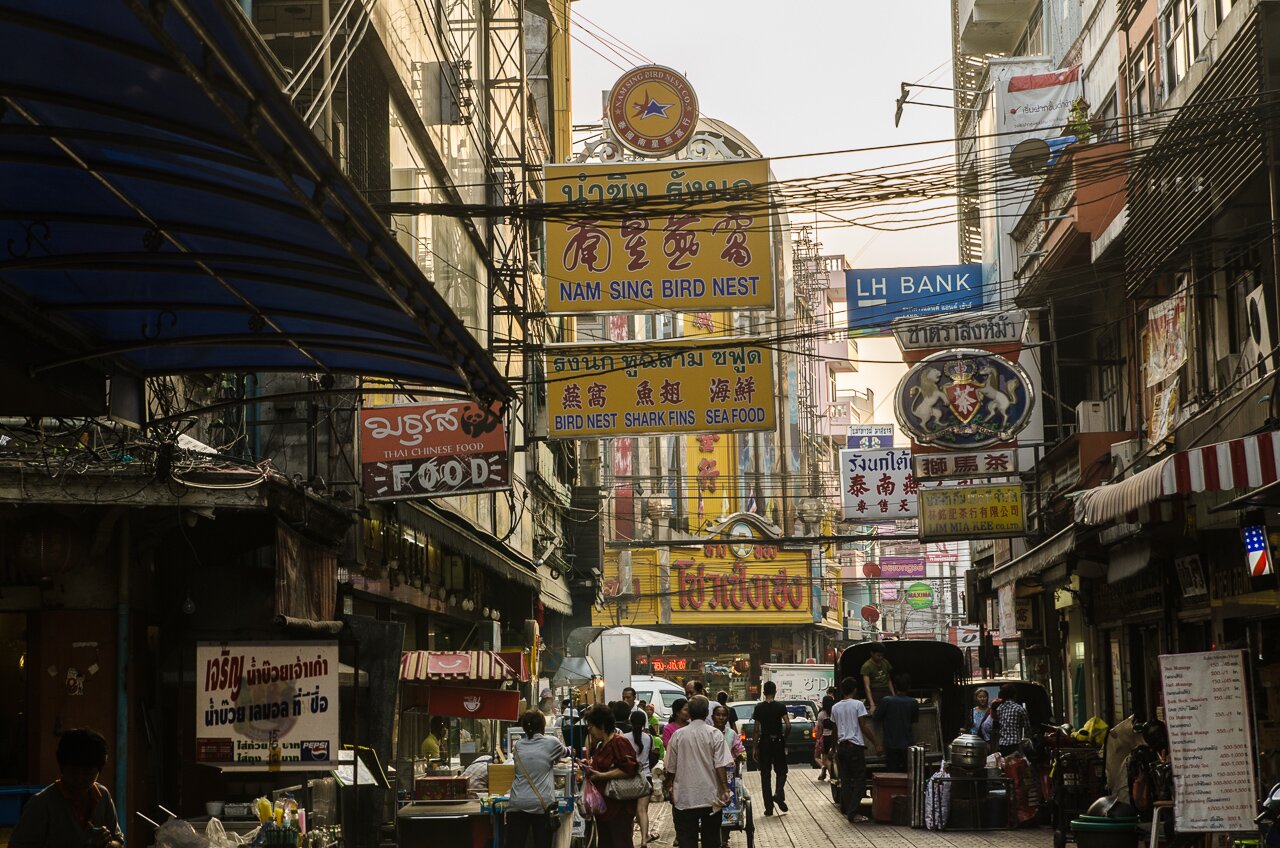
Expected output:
(1224, 8)
(1181, 29)
(1142, 79)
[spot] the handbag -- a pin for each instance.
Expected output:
(552, 811)
(627, 788)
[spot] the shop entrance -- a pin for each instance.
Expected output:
(13, 707)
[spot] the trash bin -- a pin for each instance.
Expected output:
(1105, 833)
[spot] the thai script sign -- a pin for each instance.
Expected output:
(652, 110)
(879, 295)
(270, 706)
(641, 237)
(983, 328)
(963, 399)
(877, 483)
(901, 568)
(431, 450)
(680, 386)
(1206, 703)
(708, 589)
(997, 462)
(1034, 102)
(870, 436)
(1166, 338)
(972, 512)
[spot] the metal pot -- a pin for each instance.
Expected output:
(969, 751)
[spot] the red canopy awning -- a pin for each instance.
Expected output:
(1246, 463)
(468, 666)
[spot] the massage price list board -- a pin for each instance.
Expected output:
(1206, 703)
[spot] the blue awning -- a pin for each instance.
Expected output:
(165, 210)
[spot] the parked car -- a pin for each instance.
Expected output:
(800, 741)
(657, 691)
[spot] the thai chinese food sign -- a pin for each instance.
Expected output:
(267, 706)
(680, 386)
(641, 237)
(430, 450)
(972, 512)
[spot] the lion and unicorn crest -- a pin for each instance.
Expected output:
(966, 396)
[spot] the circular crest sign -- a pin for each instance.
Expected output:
(964, 398)
(919, 596)
(652, 110)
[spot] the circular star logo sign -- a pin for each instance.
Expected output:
(652, 110)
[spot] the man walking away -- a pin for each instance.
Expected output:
(769, 747)
(896, 714)
(696, 778)
(852, 730)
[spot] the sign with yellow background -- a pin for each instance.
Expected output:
(972, 512)
(649, 388)
(641, 237)
(711, 474)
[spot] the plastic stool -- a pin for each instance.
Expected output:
(1158, 808)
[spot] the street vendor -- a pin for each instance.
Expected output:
(433, 744)
(877, 676)
(75, 810)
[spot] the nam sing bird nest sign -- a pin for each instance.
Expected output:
(964, 398)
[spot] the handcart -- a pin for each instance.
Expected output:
(1077, 780)
(737, 815)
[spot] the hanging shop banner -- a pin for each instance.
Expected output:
(978, 328)
(1033, 102)
(431, 450)
(972, 512)
(877, 296)
(647, 388)
(963, 399)
(997, 462)
(1166, 338)
(1164, 412)
(267, 706)
(652, 110)
(648, 237)
(901, 568)
(1206, 708)
(869, 436)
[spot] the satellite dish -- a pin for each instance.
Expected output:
(1029, 157)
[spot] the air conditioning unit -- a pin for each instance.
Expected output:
(1091, 417)
(1123, 456)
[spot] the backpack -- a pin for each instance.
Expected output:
(1144, 782)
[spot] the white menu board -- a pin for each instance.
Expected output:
(1210, 740)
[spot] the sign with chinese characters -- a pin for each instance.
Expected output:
(431, 450)
(646, 388)
(647, 237)
(267, 707)
(877, 296)
(877, 484)
(977, 328)
(997, 462)
(870, 436)
(652, 110)
(972, 512)
(963, 399)
(1207, 711)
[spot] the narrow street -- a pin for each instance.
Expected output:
(814, 823)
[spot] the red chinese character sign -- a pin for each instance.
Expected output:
(647, 237)
(964, 399)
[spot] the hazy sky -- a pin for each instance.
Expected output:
(794, 77)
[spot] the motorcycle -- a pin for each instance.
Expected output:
(1269, 817)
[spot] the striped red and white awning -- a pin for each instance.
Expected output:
(1246, 463)
(486, 666)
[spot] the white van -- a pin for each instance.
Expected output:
(658, 691)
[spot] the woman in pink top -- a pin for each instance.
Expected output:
(679, 718)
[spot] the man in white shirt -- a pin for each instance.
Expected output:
(853, 729)
(696, 760)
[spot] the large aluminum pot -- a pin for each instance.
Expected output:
(969, 751)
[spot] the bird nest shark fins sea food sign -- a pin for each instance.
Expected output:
(964, 398)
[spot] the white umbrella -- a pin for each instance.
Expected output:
(648, 638)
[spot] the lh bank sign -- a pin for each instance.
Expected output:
(879, 295)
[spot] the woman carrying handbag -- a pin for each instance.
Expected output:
(613, 759)
(531, 809)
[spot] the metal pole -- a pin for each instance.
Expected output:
(122, 678)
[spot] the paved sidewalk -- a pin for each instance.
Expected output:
(814, 822)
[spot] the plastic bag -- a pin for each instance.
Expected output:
(217, 836)
(937, 800)
(1094, 732)
(178, 833)
(592, 799)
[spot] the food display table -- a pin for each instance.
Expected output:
(473, 823)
